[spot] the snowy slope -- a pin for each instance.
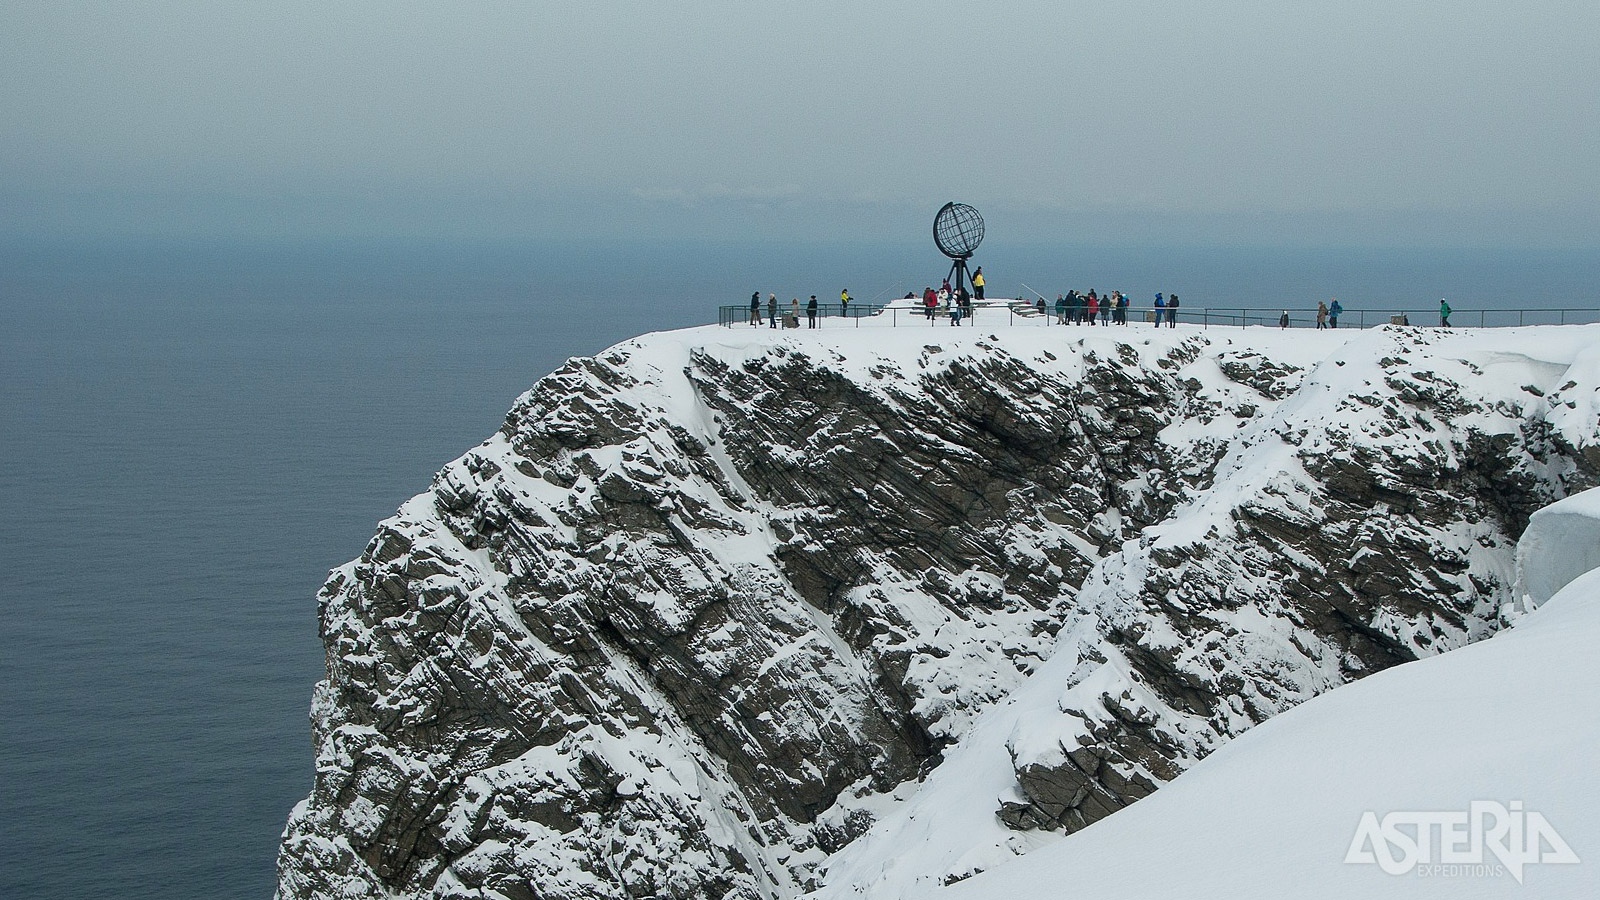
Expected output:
(1274, 813)
(748, 613)
(1089, 688)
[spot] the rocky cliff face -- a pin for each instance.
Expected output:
(713, 613)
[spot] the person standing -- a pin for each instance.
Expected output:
(1122, 308)
(1172, 311)
(1334, 309)
(1283, 320)
(977, 283)
(811, 312)
(1161, 308)
(1322, 315)
(772, 310)
(1092, 305)
(844, 303)
(1444, 313)
(930, 302)
(1061, 309)
(755, 309)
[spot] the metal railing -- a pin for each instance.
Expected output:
(834, 315)
(741, 315)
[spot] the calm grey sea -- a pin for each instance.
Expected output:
(192, 435)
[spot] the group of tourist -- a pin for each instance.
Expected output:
(792, 316)
(956, 303)
(1073, 308)
(1328, 315)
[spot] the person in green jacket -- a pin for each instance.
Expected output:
(1444, 313)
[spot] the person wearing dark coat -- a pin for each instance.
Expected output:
(811, 312)
(1172, 310)
(772, 310)
(755, 309)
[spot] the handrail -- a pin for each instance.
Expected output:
(1023, 312)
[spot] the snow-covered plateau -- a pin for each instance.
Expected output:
(918, 612)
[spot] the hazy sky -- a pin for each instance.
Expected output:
(1357, 121)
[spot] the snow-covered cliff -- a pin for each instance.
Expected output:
(728, 613)
(1511, 725)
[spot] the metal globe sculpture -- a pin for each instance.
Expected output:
(957, 230)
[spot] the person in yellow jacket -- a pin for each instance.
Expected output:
(844, 303)
(977, 283)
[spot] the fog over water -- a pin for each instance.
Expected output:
(1231, 122)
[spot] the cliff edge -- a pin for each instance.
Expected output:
(751, 614)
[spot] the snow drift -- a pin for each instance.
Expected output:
(1276, 813)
